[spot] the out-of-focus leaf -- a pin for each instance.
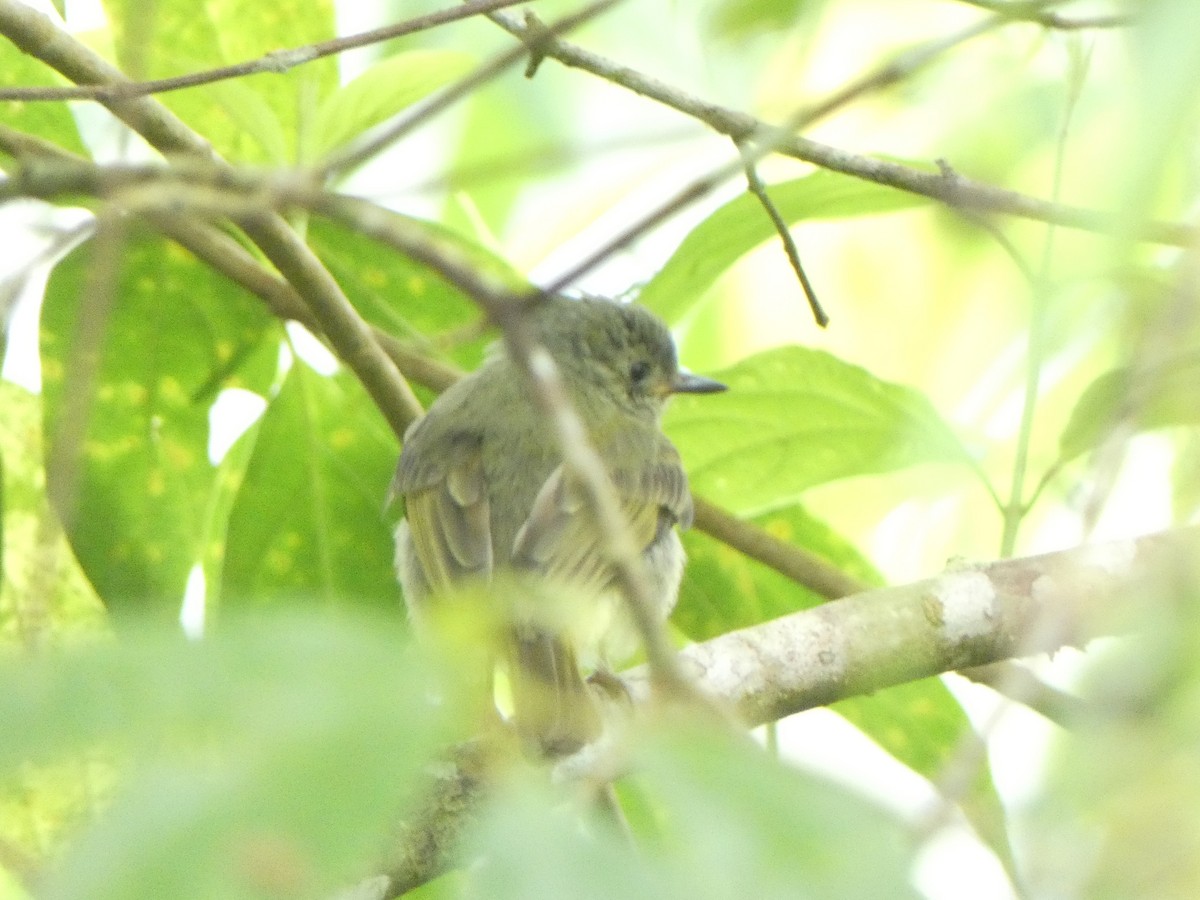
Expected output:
(50, 121)
(741, 225)
(265, 760)
(922, 725)
(794, 418)
(1154, 397)
(735, 824)
(43, 595)
(503, 141)
(308, 523)
(1115, 817)
(736, 19)
(257, 118)
(723, 590)
(381, 91)
(177, 334)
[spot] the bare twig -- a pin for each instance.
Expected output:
(796, 563)
(759, 190)
(276, 61)
(956, 191)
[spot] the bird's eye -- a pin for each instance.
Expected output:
(639, 370)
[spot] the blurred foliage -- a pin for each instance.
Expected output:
(273, 757)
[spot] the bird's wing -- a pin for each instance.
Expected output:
(559, 539)
(446, 505)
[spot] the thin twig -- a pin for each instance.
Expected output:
(806, 569)
(759, 190)
(956, 191)
(277, 61)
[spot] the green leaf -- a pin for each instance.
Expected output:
(256, 118)
(733, 20)
(177, 333)
(735, 823)
(266, 760)
(741, 225)
(43, 595)
(794, 418)
(407, 298)
(50, 121)
(1145, 398)
(308, 522)
(383, 90)
(723, 590)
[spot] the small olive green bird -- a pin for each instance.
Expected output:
(486, 496)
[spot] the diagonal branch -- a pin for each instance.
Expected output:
(811, 658)
(38, 35)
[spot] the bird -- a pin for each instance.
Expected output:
(487, 499)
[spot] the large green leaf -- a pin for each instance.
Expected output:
(401, 295)
(266, 760)
(734, 823)
(49, 121)
(381, 91)
(177, 333)
(794, 418)
(308, 522)
(741, 225)
(1157, 396)
(257, 118)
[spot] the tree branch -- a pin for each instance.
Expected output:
(957, 620)
(945, 186)
(1010, 608)
(37, 35)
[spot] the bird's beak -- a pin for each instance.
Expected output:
(687, 383)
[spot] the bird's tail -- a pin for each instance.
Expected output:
(553, 708)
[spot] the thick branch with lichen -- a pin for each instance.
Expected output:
(876, 639)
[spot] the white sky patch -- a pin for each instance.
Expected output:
(311, 350)
(195, 602)
(233, 412)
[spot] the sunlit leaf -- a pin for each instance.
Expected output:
(308, 523)
(794, 418)
(923, 726)
(736, 19)
(741, 225)
(49, 121)
(405, 297)
(134, 510)
(256, 118)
